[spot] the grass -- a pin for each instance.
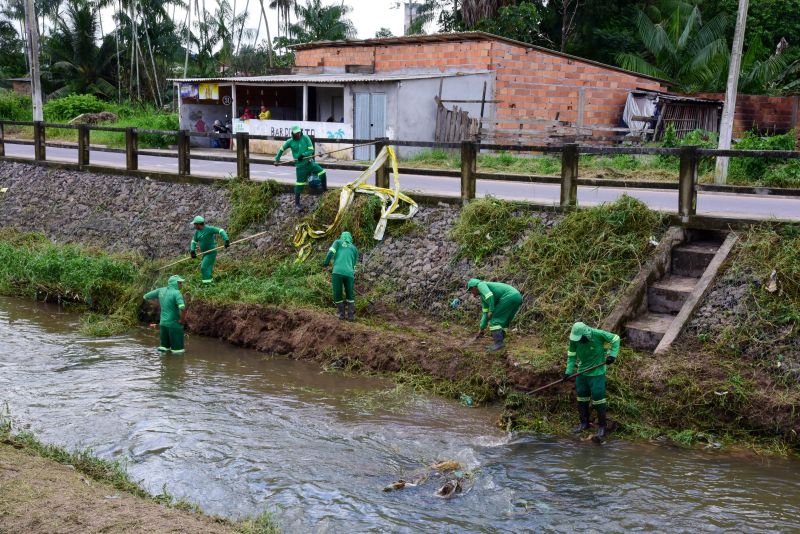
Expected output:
(251, 202)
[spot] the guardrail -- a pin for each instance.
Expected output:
(689, 156)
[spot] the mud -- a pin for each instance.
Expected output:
(39, 496)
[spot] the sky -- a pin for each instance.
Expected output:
(367, 15)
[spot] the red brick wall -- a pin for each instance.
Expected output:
(766, 113)
(529, 83)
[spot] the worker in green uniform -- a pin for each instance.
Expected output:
(500, 304)
(205, 236)
(587, 348)
(305, 166)
(173, 314)
(345, 256)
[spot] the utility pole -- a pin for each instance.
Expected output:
(33, 49)
(729, 108)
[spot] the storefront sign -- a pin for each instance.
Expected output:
(318, 130)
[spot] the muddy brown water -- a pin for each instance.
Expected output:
(237, 433)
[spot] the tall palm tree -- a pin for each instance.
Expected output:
(284, 8)
(316, 22)
(78, 64)
(681, 48)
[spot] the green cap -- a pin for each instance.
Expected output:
(473, 283)
(198, 220)
(175, 278)
(578, 331)
(296, 129)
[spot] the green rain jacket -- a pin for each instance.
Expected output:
(594, 352)
(302, 148)
(344, 255)
(206, 238)
(491, 293)
(170, 300)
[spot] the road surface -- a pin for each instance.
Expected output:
(720, 204)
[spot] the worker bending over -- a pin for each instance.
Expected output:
(500, 304)
(345, 256)
(587, 348)
(206, 237)
(303, 152)
(173, 314)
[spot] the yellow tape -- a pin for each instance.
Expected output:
(305, 235)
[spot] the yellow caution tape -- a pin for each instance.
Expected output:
(305, 235)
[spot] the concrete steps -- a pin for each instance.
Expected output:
(666, 296)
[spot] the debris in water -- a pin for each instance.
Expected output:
(450, 488)
(400, 484)
(466, 399)
(447, 465)
(772, 285)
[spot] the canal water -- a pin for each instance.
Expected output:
(238, 433)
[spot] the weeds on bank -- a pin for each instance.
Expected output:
(250, 203)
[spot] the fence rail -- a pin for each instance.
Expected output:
(689, 156)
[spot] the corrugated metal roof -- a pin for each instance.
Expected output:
(328, 78)
(460, 37)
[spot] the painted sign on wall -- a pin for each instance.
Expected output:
(318, 130)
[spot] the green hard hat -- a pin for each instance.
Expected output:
(198, 220)
(578, 331)
(296, 129)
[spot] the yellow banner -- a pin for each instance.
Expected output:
(391, 198)
(209, 91)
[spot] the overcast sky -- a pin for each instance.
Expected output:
(367, 15)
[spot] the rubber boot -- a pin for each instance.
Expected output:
(323, 178)
(583, 413)
(351, 311)
(340, 307)
(497, 336)
(601, 422)
(297, 206)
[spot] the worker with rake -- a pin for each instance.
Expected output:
(345, 256)
(307, 171)
(587, 349)
(173, 314)
(500, 304)
(205, 236)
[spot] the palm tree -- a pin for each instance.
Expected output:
(316, 22)
(284, 8)
(681, 48)
(77, 63)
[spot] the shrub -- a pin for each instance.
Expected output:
(14, 106)
(749, 170)
(159, 121)
(67, 108)
(488, 225)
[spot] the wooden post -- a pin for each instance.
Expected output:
(469, 167)
(243, 155)
(131, 149)
(184, 167)
(83, 144)
(569, 175)
(39, 150)
(687, 194)
(382, 173)
(2, 141)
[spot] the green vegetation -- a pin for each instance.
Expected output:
(765, 171)
(65, 109)
(14, 106)
(251, 202)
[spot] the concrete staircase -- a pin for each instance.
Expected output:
(667, 295)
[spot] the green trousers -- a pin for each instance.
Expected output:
(504, 311)
(591, 388)
(346, 283)
(207, 267)
(171, 338)
(305, 169)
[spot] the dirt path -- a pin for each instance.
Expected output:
(39, 496)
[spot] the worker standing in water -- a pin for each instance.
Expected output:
(307, 171)
(173, 314)
(500, 304)
(587, 349)
(205, 236)
(345, 256)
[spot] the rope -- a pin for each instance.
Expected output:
(201, 254)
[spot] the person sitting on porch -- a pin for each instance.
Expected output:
(246, 116)
(265, 114)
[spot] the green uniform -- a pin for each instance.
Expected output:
(591, 386)
(206, 239)
(171, 302)
(303, 168)
(345, 256)
(502, 301)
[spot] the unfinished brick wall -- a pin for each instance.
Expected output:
(777, 114)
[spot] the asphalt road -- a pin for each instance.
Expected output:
(721, 204)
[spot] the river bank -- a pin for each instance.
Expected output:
(704, 393)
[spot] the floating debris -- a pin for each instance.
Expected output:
(450, 488)
(400, 484)
(447, 465)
